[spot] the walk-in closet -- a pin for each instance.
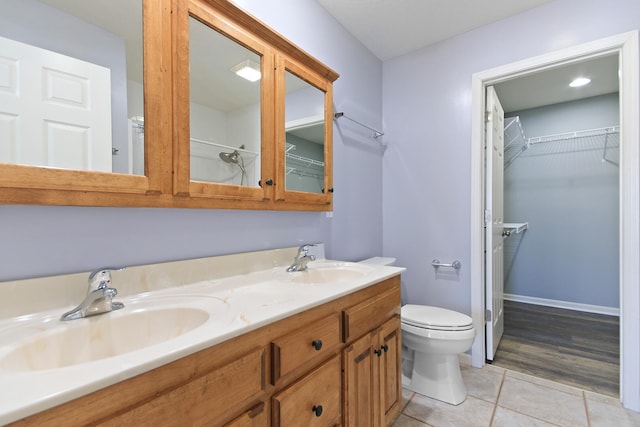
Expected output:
(561, 242)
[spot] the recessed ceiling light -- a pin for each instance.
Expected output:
(248, 70)
(580, 81)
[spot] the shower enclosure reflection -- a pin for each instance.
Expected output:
(235, 158)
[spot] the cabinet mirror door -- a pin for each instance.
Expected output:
(306, 147)
(222, 122)
(304, 141)
(225, 122)
(71, 85)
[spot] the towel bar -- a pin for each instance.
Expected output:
(455, 264)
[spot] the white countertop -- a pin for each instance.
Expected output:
(236, 305)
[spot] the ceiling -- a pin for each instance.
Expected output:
(552, 86)
(391, 28)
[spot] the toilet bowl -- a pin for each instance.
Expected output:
(432, 338)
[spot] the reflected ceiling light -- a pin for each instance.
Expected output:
(580, 81)
(248, 70)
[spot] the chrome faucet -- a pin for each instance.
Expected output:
(99, 297)
(302, 258)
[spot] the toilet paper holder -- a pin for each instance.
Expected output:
(455, 264)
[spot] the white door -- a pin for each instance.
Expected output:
(494, 250)
(55, 110)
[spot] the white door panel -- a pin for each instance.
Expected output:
(62, 121)
(494, 249)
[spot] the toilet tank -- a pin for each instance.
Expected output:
(378, 260)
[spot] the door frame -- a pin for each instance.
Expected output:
(626, 46)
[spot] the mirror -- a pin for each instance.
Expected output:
(73, 105)
(71, 89)
(305, 133)
(225, 125)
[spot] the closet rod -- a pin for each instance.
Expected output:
(376, 133)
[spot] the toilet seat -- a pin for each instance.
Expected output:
(435, 318)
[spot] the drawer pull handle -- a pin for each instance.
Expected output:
(317, 344)
(317, 410)
(378, 352)
(385, 348)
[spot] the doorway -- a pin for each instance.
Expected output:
(559, 241)
(626, 46)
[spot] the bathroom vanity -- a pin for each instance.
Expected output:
(319, 347)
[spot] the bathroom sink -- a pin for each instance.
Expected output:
(330, 273)
(102, 336)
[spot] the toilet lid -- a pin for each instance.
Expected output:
(427, 317)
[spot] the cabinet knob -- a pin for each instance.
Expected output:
(317, 409)
(378, 352)
(317, 344)
(385, 348)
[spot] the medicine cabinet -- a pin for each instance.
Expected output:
(149, 108)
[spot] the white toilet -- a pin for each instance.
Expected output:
(432, 338)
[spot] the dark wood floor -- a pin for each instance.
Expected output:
(570, 347)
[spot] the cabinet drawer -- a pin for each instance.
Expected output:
(314, 401)
(311, 342)
(362, 318)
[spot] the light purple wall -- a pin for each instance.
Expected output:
(427, 115)
(38, 241)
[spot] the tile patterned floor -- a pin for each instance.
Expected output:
(498, 397)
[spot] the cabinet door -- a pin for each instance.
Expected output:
(204, 401)
(389, 369)
(254, 417)
(304, 135)
(360, 404)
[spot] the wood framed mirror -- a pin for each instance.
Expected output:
(160, 119)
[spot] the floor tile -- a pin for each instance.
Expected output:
(548, 404)
(404, 421)
(522, 401)
(605, 415)
(543, 382)
(507, 418)
(482, 383)
(602, 398)
(472, 412)
(407, 395)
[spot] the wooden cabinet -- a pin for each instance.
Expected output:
(179, 86)
(372, 376)
(279, 374)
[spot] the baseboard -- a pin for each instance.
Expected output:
(598, 309)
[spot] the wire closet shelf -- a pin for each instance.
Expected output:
(599, 139)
